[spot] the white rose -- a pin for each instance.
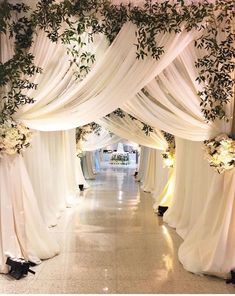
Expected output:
(12, 133)
(11, 151)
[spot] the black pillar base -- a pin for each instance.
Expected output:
(161, 210)
(81, 187)
(19, 267)
(232, 280)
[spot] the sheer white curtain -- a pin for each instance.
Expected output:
(23, 231)
(149, 180)
(162, 175)
(193, 178)
(144, 151)
(97, 160)
(157, 180)
(202, 212)
(94, 141)
(163, 109)
(116, 72)
(87, 166)
(51, 165)
(80, 179)
(132, 130)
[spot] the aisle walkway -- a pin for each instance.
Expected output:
(113, 243)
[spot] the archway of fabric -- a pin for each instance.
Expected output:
(117, 77)
(131, 130)
(158, 180)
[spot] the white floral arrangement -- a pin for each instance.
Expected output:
(169, 157)
(14, 137)
(169, 154)
(119, 158)
(220, 152)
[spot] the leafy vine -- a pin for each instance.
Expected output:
(15, 72)
(75, 23)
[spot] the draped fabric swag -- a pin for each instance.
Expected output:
(132, 130)
(95, 141)
(116, 72)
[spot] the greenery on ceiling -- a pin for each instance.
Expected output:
(100, 16)
(169, 138)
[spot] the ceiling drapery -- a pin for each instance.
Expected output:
(116, 77)
(172, 104)
(94, 141)
(132, 130)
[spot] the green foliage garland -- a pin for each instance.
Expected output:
(15, 73)
(69, 20)
(216, 66)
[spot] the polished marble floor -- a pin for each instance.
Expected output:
(112, 242)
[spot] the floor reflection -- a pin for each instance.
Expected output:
(112, 242)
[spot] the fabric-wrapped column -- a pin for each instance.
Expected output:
(23, 232)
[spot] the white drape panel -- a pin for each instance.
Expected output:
(95, 142)
(69, 162)
(214, 227)
(193, 180)
(166, 196)
(87, 166)
(132, 130)
(118, 73)
(161, 178)
(202, 212)
(157, 180)
(96, 161)
(216, 254)
(149, 180)
(142, 163)
(23, 232)
(174, 105)
(80, 179)
(37, 161)
(51, 164)
(161, 175)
